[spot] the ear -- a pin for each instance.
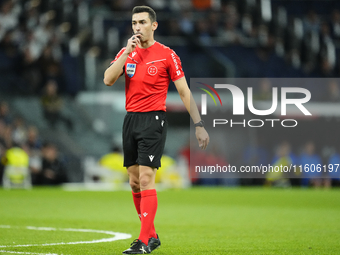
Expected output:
(154, 25)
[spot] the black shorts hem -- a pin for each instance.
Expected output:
(149, 165)
(129, 164)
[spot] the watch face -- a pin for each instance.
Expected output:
(199, 124)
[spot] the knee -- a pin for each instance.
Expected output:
(134, 184)
(145, 181)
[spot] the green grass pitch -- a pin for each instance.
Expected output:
(194, 221)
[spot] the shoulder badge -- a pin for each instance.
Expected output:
(130, 70)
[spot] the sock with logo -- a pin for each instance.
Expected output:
(136, 200)
(148, 208)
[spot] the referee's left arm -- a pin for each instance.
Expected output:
(189, 103)
(186, 96)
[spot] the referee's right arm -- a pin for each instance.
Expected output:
(114, 71)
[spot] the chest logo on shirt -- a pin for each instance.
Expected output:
(152, 70)
(130, 70)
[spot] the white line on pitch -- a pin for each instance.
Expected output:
(116, 236)
(19, 252)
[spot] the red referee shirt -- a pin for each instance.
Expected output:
(147, 77)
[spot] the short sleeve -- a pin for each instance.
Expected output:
(175, 66)
(118, 55)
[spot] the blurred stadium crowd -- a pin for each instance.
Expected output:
(23, 154)
(261, 38)
(33, 47)
(258, 38)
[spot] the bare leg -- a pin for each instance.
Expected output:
(133, 172)
(147, 177)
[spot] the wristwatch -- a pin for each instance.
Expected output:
(199, 124)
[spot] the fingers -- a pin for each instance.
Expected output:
(132, 43)
(203, 143)
(135, 39)
(202, 138)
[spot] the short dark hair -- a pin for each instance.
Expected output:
(144, 8)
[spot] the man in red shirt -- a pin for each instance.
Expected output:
(148, 67)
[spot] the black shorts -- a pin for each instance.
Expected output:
(144, 135)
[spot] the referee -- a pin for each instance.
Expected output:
(148, 66)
